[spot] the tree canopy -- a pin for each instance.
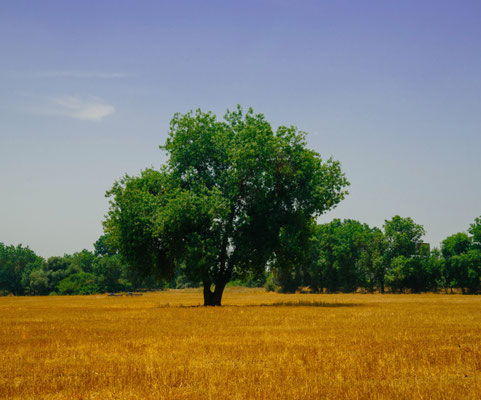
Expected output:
(231, 194)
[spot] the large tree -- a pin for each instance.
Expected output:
(223, 201)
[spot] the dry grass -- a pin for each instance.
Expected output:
(258, 346)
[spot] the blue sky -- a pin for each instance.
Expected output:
(87, 89)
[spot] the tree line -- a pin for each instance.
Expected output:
(348, 255)
(22, 272)
(343, 256)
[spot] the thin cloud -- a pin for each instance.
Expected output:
(90, 109)
(81, 74)
(72, 74)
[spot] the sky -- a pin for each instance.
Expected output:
(87, 89)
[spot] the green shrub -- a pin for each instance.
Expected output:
(270, 285)
(79, 283)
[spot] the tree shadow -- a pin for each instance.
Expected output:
(299, 303)
(306, 303)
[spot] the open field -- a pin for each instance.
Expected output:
(259, 345)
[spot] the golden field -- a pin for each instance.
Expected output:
(257, 346)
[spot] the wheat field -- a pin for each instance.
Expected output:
(259, 345)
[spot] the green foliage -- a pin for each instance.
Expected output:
(475, 231)
(15, 265)
(22, 272)
(396, 274)
(462, 255)
(103, 247)
(403, 260)
(59, 268)
(250, 280)
(79, 283)
(111, 274)
(403, 236)
(347, 255)
(231, 196)
(371, 261)
(38, 282)
(82, 261)
(343, 256)
(455, 245)
(271, 285)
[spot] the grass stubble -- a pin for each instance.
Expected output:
(257, 346)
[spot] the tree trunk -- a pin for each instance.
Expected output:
(213, 298)
(382, 285)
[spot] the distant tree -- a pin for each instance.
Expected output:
(79, 283)
(371, 260)
(102, 247)
(456, 244)
(396, 274)
(452, 249)
(403, 236)
(14, 262)
(289, 267)
(38, 282)
(466, 271)
(181, 280)
(57, 269)
(463, 259)
(34, 285)
(475, 256)
(475, 231)
(82, 260)
(344, 255)
(435, 270)
(220, 203)
(410, 273)
(110, 273)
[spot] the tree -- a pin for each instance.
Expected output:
(475, 231)
(38, 282)
(58, 268)
(82, 260)
(344, 256)
(371, 261)
(436, 269)
(102, 247)
(456, 245)
(15, 263)
(289, 267)
(79, 283)
(453, 248)
(463, 259)
(396, 274)
(110, 274)
(220, 203)
(403, 238)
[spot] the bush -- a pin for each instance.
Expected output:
(270, 285)
(79, 283)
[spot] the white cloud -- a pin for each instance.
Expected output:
(90, 109)
(75, 74)
(81, 74)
